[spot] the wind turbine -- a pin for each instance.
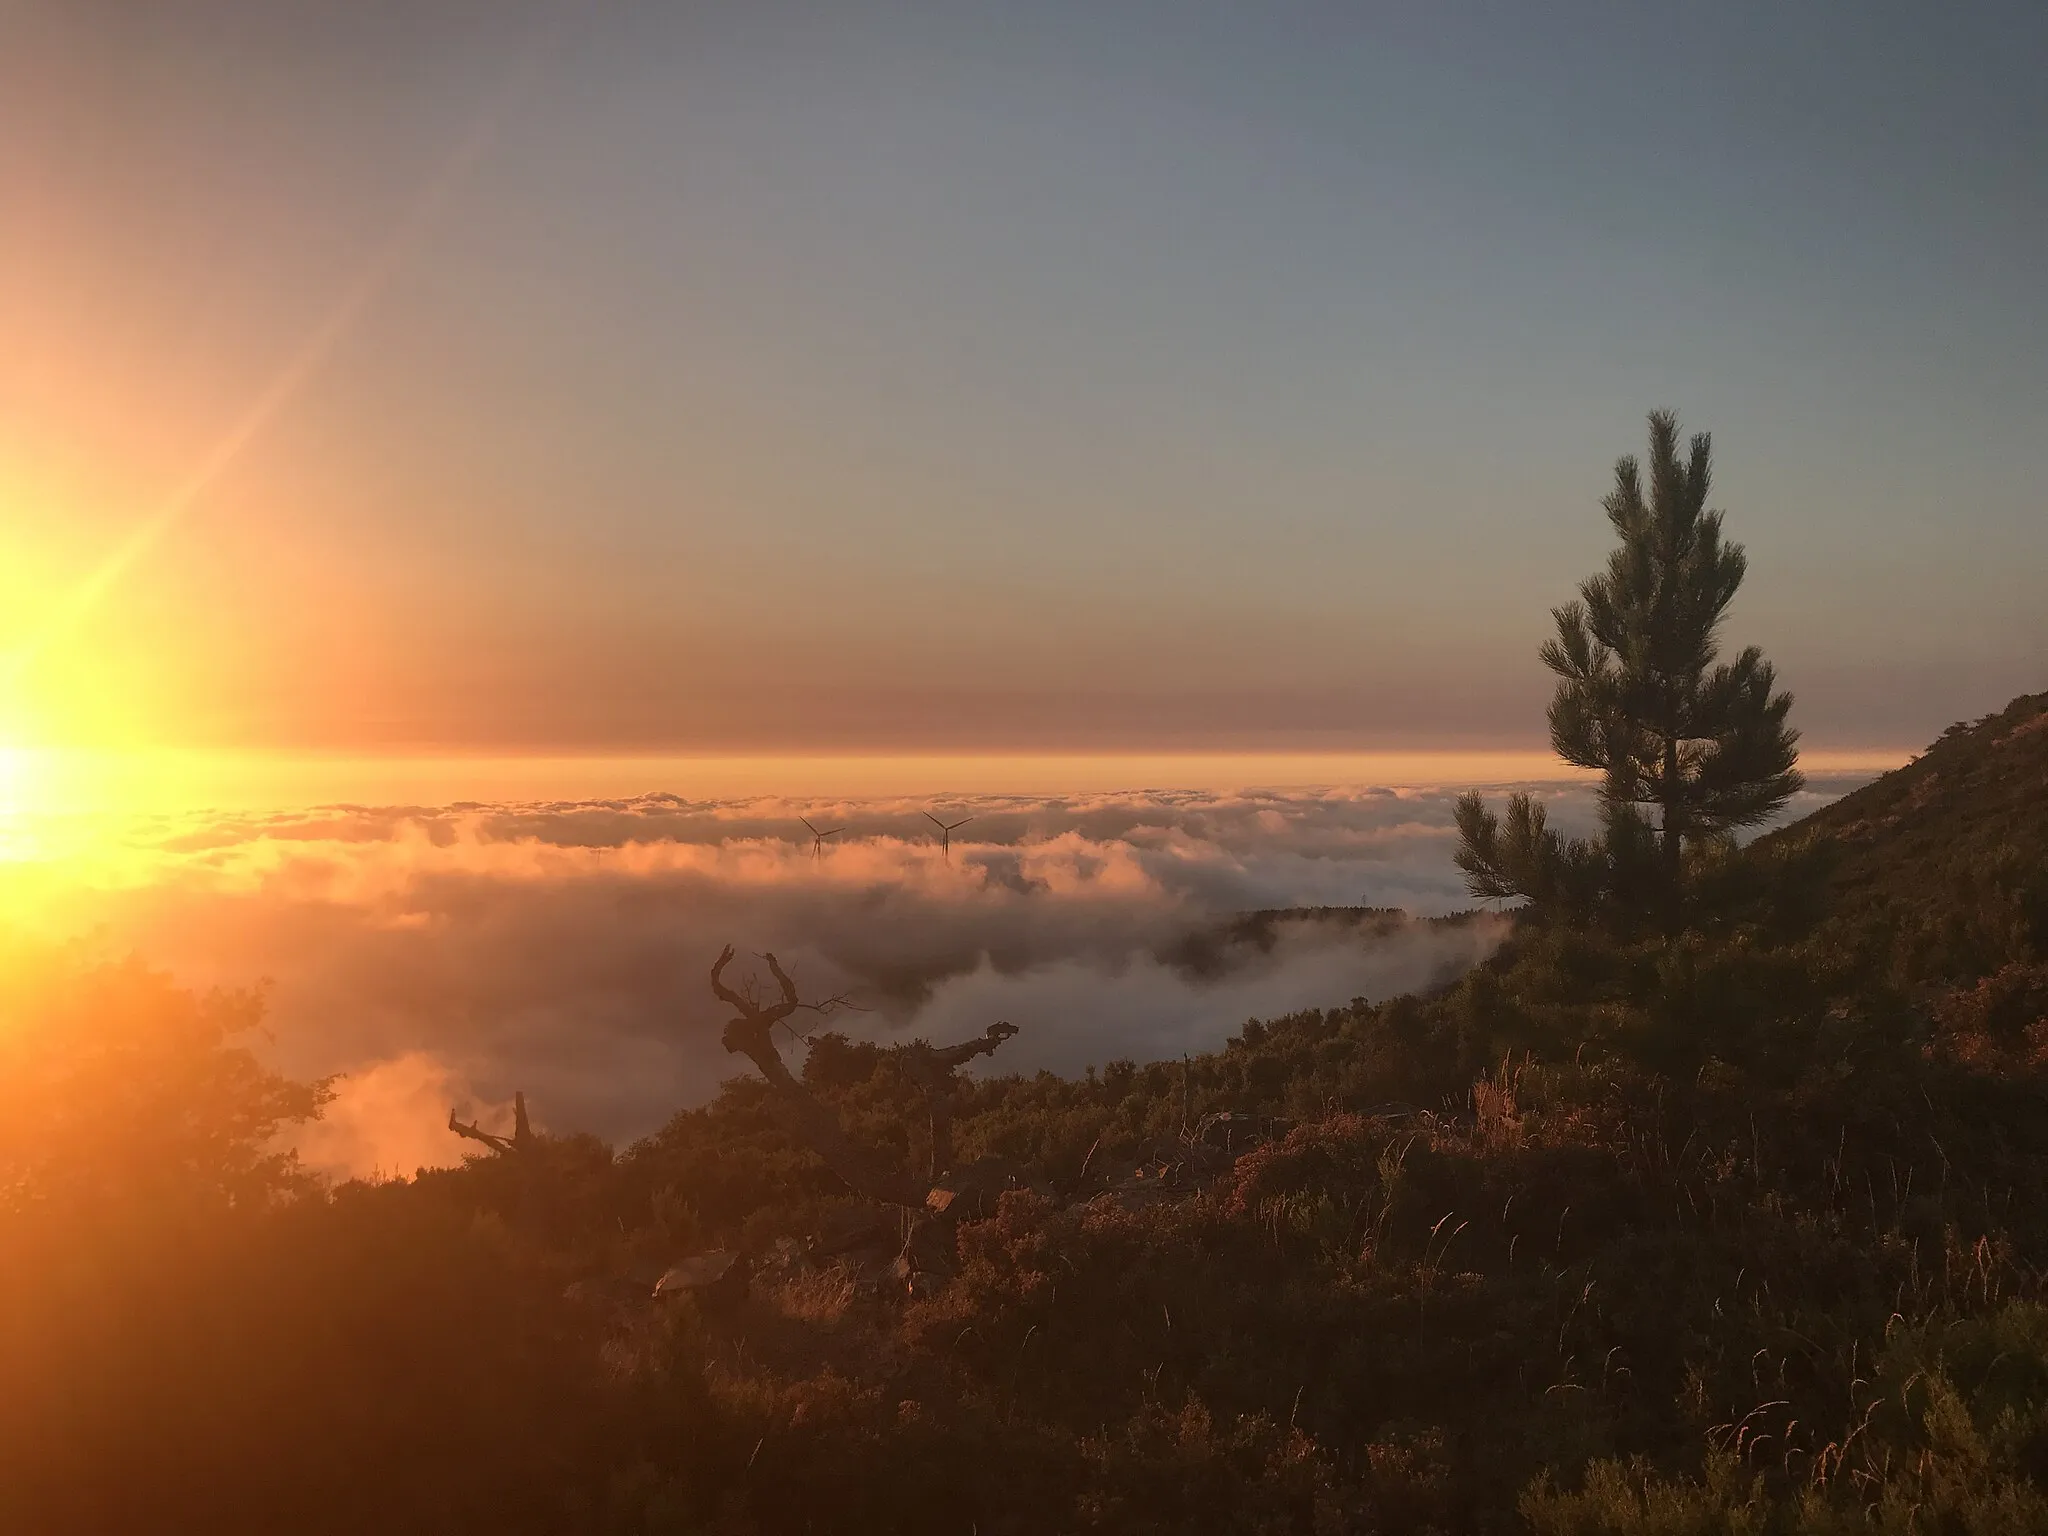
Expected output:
(817, 837)
(946, 831)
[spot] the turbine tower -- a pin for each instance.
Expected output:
(817, 837)
(946, 831)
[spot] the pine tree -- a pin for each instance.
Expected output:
(1640, 695)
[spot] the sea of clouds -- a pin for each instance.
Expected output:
(444, 957)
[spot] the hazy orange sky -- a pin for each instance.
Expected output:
(601, 377)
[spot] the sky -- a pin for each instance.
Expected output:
(498, 376)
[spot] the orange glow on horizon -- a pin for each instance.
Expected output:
(81, 782)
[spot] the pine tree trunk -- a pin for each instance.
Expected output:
(1674, 854)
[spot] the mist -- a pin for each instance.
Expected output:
(431, 958)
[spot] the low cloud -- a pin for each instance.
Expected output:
(448, 956)
(391, 1118)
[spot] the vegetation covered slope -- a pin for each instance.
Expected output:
(1742, 1227)
(1935, 871)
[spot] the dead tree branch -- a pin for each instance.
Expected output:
(751, 1034)
(932, 1068)
(521, 1139)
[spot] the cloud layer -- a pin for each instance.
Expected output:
(447, 956)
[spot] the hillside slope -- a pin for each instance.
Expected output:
(1939, 869)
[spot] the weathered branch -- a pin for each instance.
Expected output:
(724, 993)
(789, 1003)
(520, 1140)
(751, 1034)
(932, 1067)
(944, 1058)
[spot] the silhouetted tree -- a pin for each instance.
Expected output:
(122, 1091)
(932, 1068)
(1642, 699)
(522, 1138)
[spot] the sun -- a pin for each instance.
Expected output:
(14, 769)
(17, 767)
(27, 775)
(17, 798)
(58, 718)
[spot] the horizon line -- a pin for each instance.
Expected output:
(73, 780)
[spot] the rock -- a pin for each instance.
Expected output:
(715, 1280)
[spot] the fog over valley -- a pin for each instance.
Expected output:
(446, 957)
